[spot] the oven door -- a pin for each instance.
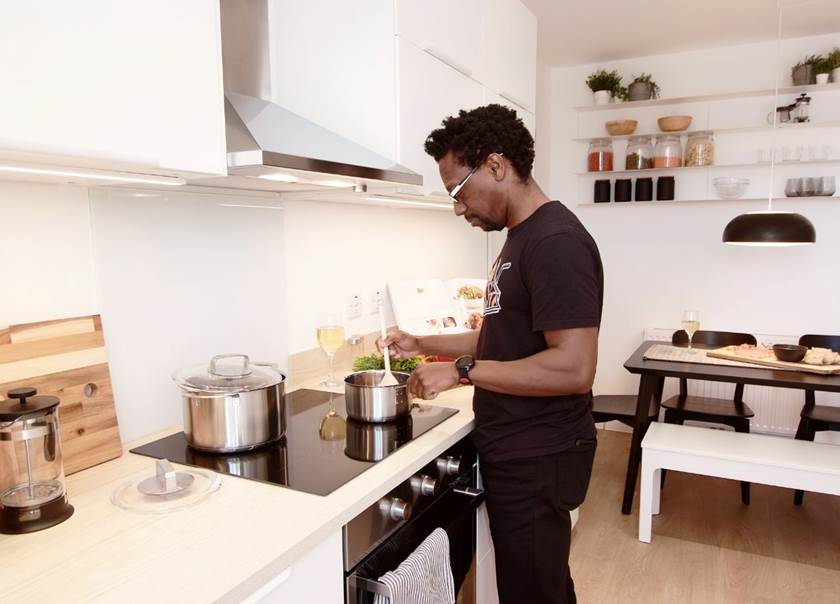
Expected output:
(454, 511)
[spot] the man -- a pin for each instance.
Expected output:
(533, 361)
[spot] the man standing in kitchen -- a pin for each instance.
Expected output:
(533, 361)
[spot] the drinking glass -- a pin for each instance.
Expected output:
(330, 334)
(691, 323)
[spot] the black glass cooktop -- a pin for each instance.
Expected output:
(315, 456)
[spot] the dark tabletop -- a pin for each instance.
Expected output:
(723, 373)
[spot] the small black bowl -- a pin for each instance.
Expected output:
(790, 353)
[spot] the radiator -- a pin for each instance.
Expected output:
(776, 409)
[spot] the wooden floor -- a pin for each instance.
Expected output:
(707, 546)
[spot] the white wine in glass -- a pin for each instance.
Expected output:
(330, 334)
(691, 323)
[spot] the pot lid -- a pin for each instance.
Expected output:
(22, 401)
(229, 373)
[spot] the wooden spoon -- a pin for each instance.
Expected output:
(388, 379)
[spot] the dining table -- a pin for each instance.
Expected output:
(651, 384)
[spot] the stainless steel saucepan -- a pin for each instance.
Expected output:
(367, 401)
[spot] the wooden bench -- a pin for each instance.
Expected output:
(772, 460)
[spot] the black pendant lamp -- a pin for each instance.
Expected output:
(769, 228)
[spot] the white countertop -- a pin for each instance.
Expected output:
(222, 549)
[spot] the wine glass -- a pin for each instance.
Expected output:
(691, 323)
(330, 333)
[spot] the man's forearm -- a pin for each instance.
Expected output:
(547, 373)
(451, 345)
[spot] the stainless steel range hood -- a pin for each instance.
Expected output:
(270, 142)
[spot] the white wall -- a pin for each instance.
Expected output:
(46, 259)
(660, 259)
(334, 250)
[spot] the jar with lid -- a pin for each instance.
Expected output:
(700, 149)
(639, 154)
(600, 155)
(668, 152)
(802, 109)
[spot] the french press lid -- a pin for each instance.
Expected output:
(22, 401)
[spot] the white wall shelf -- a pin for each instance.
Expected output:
(706, 201)
(709, 97)
(655, 171)
(716, 131)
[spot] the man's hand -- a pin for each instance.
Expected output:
(429, 380)
(401, 345)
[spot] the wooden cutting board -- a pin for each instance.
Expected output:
(67, 359)
(727, 353)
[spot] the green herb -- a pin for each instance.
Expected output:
(604, 80)
(823, 65)
(834, 57)
(622, 92)
(376, 361)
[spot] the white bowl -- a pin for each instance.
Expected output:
(730, 187)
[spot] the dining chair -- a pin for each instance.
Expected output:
(734, 413)
(816, 418)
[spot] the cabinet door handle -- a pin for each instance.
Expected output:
(440, 56)
(509, 97)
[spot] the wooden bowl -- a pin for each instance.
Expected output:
(621, 127)
(791, 353)
(674, 123)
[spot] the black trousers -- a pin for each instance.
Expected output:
(528, 502)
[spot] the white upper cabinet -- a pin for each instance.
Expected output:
(333, 63)
(450, 31)
(429, 91)
(527, 117)
(510, 52)
(135, 82)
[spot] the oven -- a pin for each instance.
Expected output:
(442, 494)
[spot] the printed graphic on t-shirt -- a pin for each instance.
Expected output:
(494, 294)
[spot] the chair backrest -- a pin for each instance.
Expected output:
(718, 339)
(820, 341)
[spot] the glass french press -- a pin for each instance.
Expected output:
(32, 494)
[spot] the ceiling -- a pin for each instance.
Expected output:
(574, 32)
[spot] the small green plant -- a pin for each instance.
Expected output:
(604, 80)
(823, 65)
(622, 93)
(375, 361)
(834, 57)
(646, 78)
(809, 60)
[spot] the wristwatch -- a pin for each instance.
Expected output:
(464, 364)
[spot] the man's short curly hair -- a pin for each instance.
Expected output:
(475, 134)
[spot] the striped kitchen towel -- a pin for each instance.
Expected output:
(425, 577)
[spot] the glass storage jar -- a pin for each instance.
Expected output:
(700, 149)
(668, 152)
(639, 154)
(600, 155)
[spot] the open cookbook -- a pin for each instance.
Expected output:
(429, 307)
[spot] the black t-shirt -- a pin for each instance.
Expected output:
(548, 276)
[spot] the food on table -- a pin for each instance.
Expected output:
(470, 292)
(751, 351)
(821, 356)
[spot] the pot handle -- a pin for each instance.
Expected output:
(246, 365)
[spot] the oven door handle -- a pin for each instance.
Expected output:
(477, 494)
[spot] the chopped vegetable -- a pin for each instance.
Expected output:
(375, 361)
(470, 292)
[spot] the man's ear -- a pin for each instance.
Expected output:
(497, 166)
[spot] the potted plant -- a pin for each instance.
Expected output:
(642, 88)
(834, 57)
(802, 73)
(822, 69)
(621, 94)
(602, 83)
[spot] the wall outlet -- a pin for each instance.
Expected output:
(354, 306)
(377, 297)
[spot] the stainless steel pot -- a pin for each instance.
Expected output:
(232, 405)
(367, 401)
(373, 442)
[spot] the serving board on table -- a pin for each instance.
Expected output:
(67, 359)
(728, 352)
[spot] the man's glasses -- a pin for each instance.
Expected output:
(453, 194)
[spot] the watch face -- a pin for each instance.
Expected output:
(464, 363)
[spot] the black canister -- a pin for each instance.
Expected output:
(602, 191)
(622, 189)
(665, 188)
(644, 189)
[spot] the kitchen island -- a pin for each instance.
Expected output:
(238, 545)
